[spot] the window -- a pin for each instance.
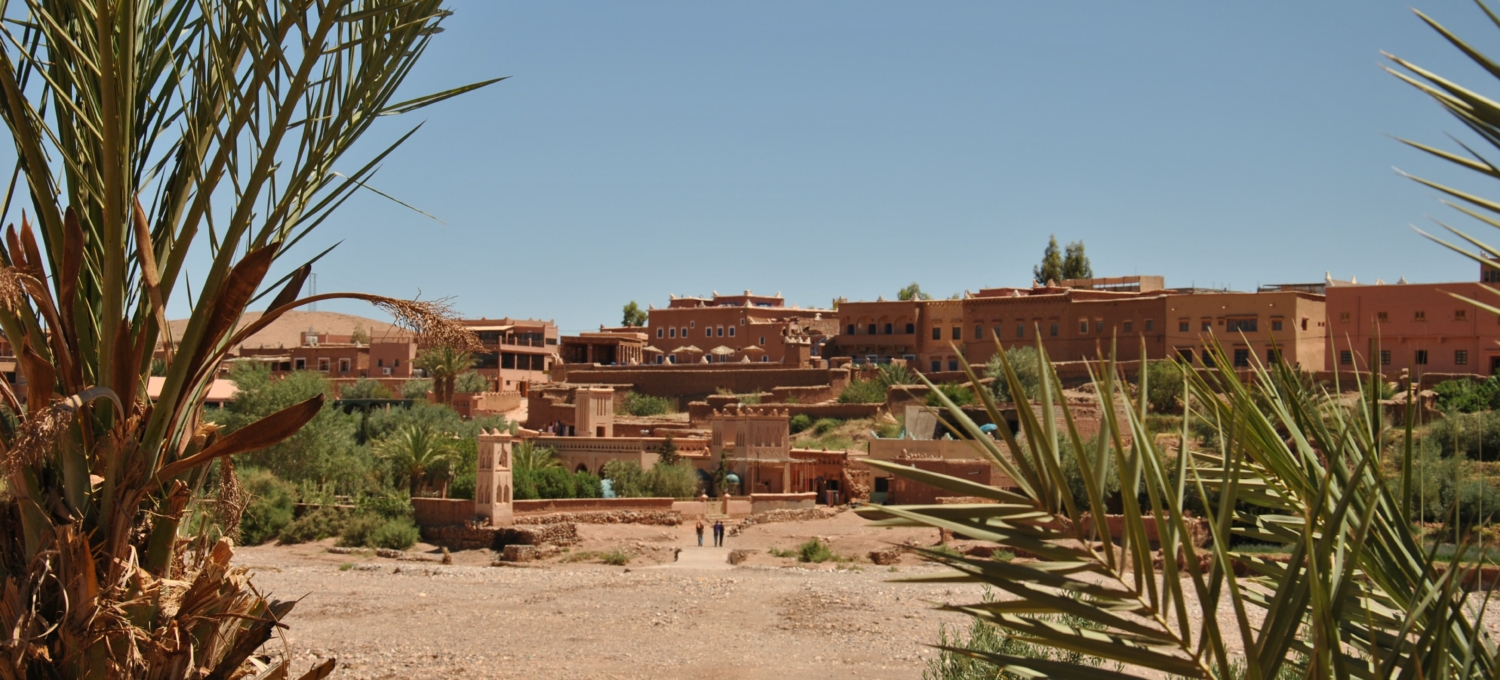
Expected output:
(978, 332)
(1054, 329)
(1241, 357)
(1098, 325)
(1304, 323)
(731, 331)
(1207, 356)
(323, 364)
(1186, 354)
(1150, 325)
(762, 339)
(1182, 326)
(890, 329)
(398, 363)
(1240, 325)
(937, 333)
(343, 365)
(684, 332)
(1083, 326)
(658, 333)
(958, 333)
(1460, 314)
(851, 329)
(742, 322)
(692, 324)
(1381, 316)
(1343, 317)
(1420, 358)
(1273, 356)
(379, 363)
(870, 329)
(911, 329)
(1275, 324)
(720, 332)
(1490, 275)
(299, 364)
(1385, 357)
(1128, 326)
(1419, 315)
(672, 332)
(1020, 330)
(999, 331)
(953, 364)
(937, 366)
(1346, 357)
(1461, 357)
(1208, 325)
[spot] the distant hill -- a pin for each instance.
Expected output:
(287, 331)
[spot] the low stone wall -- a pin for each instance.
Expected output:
(471, 536)
(590, 504)
(767, 502)
(666, 518)
(690, 508)
(779, 516)
(1198, 531)
(460, 536)
(442, 511)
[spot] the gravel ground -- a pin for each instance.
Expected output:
(394, 620)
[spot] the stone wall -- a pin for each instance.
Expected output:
(666, 518)
(700, 412)
(696, 381)
(767, 502)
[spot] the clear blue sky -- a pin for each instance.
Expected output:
(826, 149)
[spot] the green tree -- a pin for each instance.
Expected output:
(324, 451)
(527, 455)
(667, 453)
(1051, 266)
(635, 317)
(365, 388)
(416, 389)
(912, 292)
(1027, 365)
(359, 335)
(1075, 263)
(471, 382)
(444, 364)
(416, 452)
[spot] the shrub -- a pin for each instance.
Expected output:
(586, 485)
(825, 425)
(471, 382)
(315, 526)
(625, 477)
(863, 392)
(635, 404)
(814, 551)
(1468, 396)
(272, 502)
(896, 374)
(386, 505)
(553, 482)
(952, 663)
(1164, 386)
(961, 395)
(616, 557)
(1026, 363)
(672, 481)
(1068, 463)
(358, 529)
(416, 390)
(1473, 435)
(395, 534)
(365, 388)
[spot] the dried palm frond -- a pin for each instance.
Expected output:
(143, 132)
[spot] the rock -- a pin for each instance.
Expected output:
(740, 555)
(886, 556)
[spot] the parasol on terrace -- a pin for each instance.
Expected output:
(687, 350)
(752, 348)
(721, 351)
(648, 349)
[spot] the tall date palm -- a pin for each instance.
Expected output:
(146, 130)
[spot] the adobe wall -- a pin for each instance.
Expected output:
(907, 492)
(766, 502)
(442, 511)
(590, 504)
(700, 412)
(692, 382)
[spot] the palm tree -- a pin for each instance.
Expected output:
(142, 129)
(415, 451)
(528, 456)
(444, 364)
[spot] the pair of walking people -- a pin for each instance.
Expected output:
(718, 533)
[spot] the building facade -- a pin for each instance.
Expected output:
(739, 327)
(517, 352)
(1416, 326)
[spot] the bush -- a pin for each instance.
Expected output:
(554, 482)
(272, 502)
(960, 395)
(1468, 396)
(814, 551)
(358, 529)
(470, 382)
(825, 425)
(1027, 364)
(416, 390)
(387, 505)
(626, 478)
(952, 663)
(863, 392)
(1474, 435)
(1068, 462)
(672, 481)
(315, 526)
(587, 485)
(616, 557)
(896, 374)
(1164, 386)
(395, 534)
(365, 388)
(645, 405)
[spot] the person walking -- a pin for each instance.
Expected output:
(718, 533)
(700, 533)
